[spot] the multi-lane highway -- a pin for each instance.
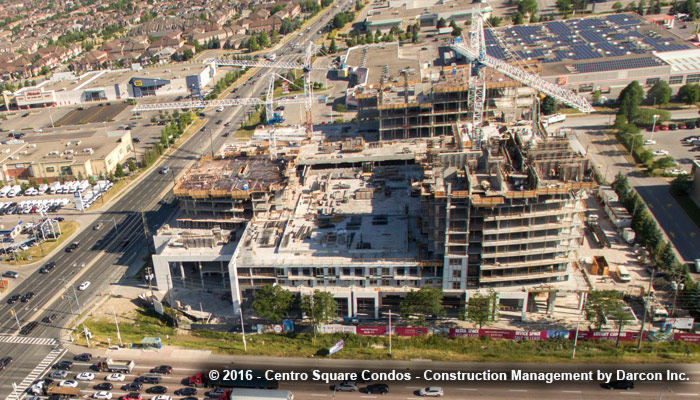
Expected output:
(102, 254)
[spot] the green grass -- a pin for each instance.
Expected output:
(438, 348)
(690, 208)
(67, 229)
(248, 128)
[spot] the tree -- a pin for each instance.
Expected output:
(617, 7)
(518, 18)
(253, 44)
(564, 6)
(132, 166)
(664, 162)
(274, 37)
(441, 23)
(689, 93)
(119, 171)
(527, 7)
(45, 70)
(358, 5)
(660, 93)
(681, 185)
(654, 7)
(629, 100)
(691, 8)
(494, 21)
(427, 302)
(320, 307)
(482, 309)
(548, 105)
(601, 305)
(621, 186)
(272, 302)
(596, 96)
(533, 18)
(264, 40)
(333, 48)
(640, 7)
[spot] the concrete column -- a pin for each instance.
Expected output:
(550, 302)
(223, 272)
(466, 302)
(581, 300)
(182, 274)
(352, 304)
(376, 305)
(201, 274)
(527, 298)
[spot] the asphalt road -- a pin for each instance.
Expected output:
(395, 374)
(105, 252)
(609, 158)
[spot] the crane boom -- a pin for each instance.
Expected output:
(476, 53)
(265, 64)
(219, 103)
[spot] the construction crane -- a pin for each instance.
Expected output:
(475, 52)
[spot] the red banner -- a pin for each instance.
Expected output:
(463, 332)
(497, 333)
(409, 331)
(595, 335)
(687, 337)
(371, 330)
(530, 335)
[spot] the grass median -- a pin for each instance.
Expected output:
(438, 348)
(40, 251)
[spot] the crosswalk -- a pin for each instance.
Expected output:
(29, 340)
(20, 391)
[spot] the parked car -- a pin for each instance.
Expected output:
(10, 274)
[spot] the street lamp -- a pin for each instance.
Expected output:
(653, 126)
(74, 294)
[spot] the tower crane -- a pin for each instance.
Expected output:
(475, 52)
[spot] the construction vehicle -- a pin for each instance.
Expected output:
(600, 266)
(62, 391)
(257, 382)
(123, 366)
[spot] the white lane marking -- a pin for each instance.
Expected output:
(318, 395)
(629, 392)
(687, 394)
(414, 387)
(517, 390)
(468, 389)
(369, 397)
(691, 383)
(571, 391)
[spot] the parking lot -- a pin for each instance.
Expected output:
(674, 142)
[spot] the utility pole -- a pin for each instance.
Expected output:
(14, 314)
(76, 299)
(85, 332)
(170, 296)
(389, 332)
(647, 305)
(211, 144)
(119, 336)
(578, 323)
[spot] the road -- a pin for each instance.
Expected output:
(395, 374)
(104, 252)
(609, 158)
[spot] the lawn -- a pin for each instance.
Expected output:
(438, 348)
(248, 128)
(67, 229)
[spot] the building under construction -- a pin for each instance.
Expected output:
(508, 214)
(231, 191)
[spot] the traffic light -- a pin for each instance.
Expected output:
(12, 312)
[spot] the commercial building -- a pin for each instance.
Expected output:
(83, 154)
(426, 13)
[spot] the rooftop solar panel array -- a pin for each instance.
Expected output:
(615, 65)
(583, 39)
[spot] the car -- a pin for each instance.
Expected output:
(220, 109)
(83, 357)
(10, 274)
(664, 127)
(48, 267)
(84, 285)
(162, 369)
(65, 365)
(618, 384)
(157, 389)
(377, 388)
(218, 122)
(115, 378)
(691, 139)
(227, 123)
(673, 127)
(133, 386)
(186, 398)
(131, 396)
(85, 376)
(164, 170)
(102, 395)
(188, 391)
(677, 172)
(5, 361)
(215, 393)
(68, 383)
(431, 391)
(27, 297)
(103, 386)
(13, 299)
(690, 125)
(660, 153)
(49, 318)
(681, 125)
(345, 386)
(161, 397)
(97, 226)
(73, 246)
(136, 140)
(61, 374)
(650, 141)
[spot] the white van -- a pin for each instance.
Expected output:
(622, 274)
